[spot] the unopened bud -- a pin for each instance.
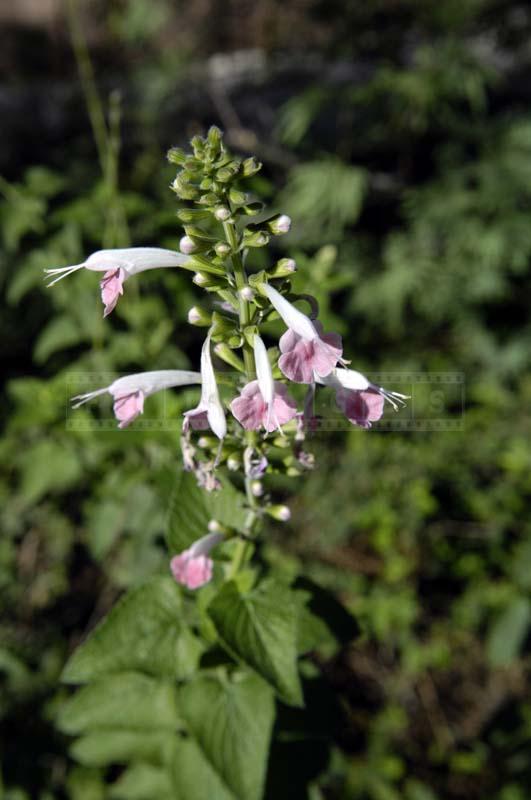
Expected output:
(280, 513)
(200, 279)
(255, 238)
(250, 166)
(207, 442)
(198, 316)
(247, 294)
(215, 527)
(257, 488)
(221, 213)
(280, 224)
(233, 463)
(283, 268)
(187, 245)
(222, 249)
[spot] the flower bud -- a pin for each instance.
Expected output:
(200, 279)
(247, 294)
(207, 442)
(222, 249)
(279, 225)
(221, 213)
(280, 513)
(215, 527)
(198, 316)
(255, 238)
(227, 355)
(250, 167)
(234, 462)
(283, 268)
(187, 245)
(257, 488)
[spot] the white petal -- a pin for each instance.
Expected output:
(134, 259)
(345, 378)
(294, 319)
(209, 393)
(203, 546)
(150, 382)
(264, 373)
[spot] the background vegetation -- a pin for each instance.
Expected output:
(398, 137)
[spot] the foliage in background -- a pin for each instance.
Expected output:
(423, 535)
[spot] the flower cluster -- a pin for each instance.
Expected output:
(217, 246)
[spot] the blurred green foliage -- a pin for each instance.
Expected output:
(410, 192)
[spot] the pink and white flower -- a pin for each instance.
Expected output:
(130, 391)
(361, 401)
(209, 412)
(118, 266)
(193, 568)
(306, 350)
(263, 402)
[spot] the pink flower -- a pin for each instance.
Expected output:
(130, 391)
(252, 411)
(193, 568)
(120, 265)
(263, 402)
(306, 350)
(361, 401)
(111, 287)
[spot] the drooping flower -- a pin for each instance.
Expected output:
(130, 391)
(263, 402)
(209, 412)
(305, 349)
(361, 401)
(118, 266)
(193, 568)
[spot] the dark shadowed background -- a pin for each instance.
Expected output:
(397, 135)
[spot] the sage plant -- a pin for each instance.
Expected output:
(247, 425)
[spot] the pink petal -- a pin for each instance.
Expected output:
(360, 407)
(284, 408)
(111, 287)
(288, 341)
(128, 407)
(326, 355)
(191, 571)
(297, 364)
(249, 407)
(198, 419)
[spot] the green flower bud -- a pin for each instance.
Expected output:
(250, 167)
(223, 351)
(255, 238)
(222, 213)
(176, 156)
(222, 249)
(279, 225)
(283, 268)
(279, 512)
(198, 316)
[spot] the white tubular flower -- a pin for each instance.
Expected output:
(119, 266)
(210, 409)
(361, 401)
(130, 391)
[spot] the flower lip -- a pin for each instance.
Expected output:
(146, 382)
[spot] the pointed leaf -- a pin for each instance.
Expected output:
(192, 508)
(260, 629)
(142, 782)
(193, 776)
(232, 723)
(100, 748)
(125, 700)
(142, 632)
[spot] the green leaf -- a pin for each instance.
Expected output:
(232, 722)
(506, 636)
(99, 748)
(125, 700)
(143, 782)
(192, 508)
(260, 629)
(142, 632)
(193, 776)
